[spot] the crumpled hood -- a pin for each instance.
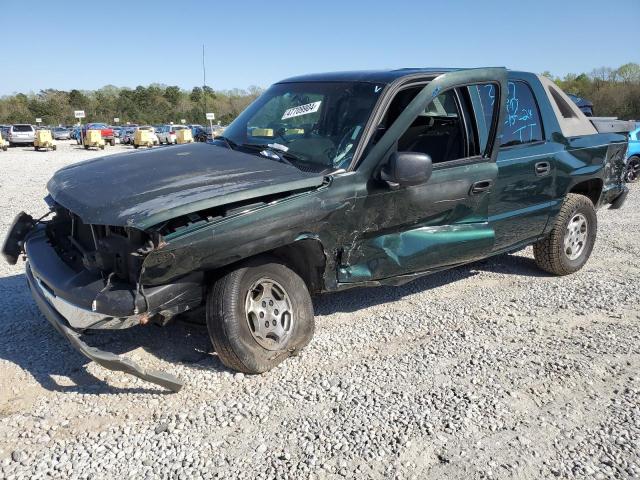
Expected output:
(142, 189)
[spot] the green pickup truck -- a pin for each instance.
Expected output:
(325, 182)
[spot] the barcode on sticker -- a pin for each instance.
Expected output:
(301, 110)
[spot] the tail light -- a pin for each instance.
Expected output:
(172, 133)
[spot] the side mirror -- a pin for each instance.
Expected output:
(405, 169)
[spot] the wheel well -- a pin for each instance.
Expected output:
(306, 257)
(590, 189)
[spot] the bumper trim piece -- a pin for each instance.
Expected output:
(620, 199)
(108, 360)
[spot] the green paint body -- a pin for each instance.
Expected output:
(372, 234)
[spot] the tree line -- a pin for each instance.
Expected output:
(152, 104)
(614, 92)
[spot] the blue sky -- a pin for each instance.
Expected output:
(259, 42)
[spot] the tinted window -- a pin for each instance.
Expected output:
(22, 128)
(522, 124)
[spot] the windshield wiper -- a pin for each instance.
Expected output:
(273, 153)
(231, 145)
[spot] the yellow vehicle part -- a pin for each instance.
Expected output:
(43, 139)
(262, 132)
(184, 136)
(142, 138)
(3, 144)
(93, 138)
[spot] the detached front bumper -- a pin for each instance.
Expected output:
(108, 360)
(74, 301)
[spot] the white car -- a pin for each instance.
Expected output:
(167, 133)
(21, 133)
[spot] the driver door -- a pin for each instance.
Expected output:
(443, 222)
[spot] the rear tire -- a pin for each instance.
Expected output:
(568, 247)
(242, 299)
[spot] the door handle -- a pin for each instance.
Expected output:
(480, 187)
(542, 168)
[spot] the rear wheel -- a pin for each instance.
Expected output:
(568, 247)
(112, 142)
(258, 315)
(632, 173)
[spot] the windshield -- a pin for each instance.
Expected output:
(317, 124)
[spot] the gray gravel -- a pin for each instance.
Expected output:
(494, 370)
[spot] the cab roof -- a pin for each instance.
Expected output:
(372, 76)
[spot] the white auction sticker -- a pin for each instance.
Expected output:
(301, 110)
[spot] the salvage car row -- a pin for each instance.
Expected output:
(26, 134)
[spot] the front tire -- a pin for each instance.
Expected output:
(632, 172)
(258, 315)
(568, 247)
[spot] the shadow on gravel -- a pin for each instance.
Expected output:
(358, 298)
(29, 341)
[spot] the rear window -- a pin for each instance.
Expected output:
(22, 128)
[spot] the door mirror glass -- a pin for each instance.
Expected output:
(405, 169)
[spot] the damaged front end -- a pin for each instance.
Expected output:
(86, 276)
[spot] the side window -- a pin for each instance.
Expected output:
(438, 131)
(522, 124)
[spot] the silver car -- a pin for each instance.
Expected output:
(21, 134)
(61, 133)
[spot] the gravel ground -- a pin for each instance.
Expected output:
(493, 370)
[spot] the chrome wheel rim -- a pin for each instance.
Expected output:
(633, 171)
(575, 238)
(269, 314)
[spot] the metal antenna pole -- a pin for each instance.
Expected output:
(204, 82)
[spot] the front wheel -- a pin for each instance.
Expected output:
(568, 247)
(258, 315)
(632, 172)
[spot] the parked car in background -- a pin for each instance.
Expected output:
(117, 133)
(107, 131)
(126, 136)
(167, 133)
(4, 131)
(21, 134)
(199, 134)
(217, 130)
(60, 133)
(583, 104)
(75, 134)
(632, 173)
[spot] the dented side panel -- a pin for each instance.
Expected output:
(419, 249)
(419, 228)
